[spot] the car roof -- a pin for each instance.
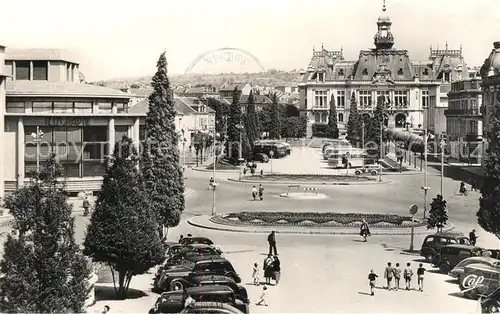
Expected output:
(212, 305)
(213, 258)
(199, 245)
(209, 289)
(462, 246)
(219, 278)
(446, 235)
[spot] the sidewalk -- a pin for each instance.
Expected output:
(203, 221)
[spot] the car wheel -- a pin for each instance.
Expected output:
(357, 172)
(444, 268)
(176, 285)
(429, 258)
(491, 307)
(374, 173)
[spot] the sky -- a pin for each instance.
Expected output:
(120, 39)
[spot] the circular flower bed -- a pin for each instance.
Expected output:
(315, 219)
(308, 177)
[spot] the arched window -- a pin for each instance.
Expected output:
(341, 117)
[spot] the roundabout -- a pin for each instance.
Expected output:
(309, 179)
(304, 196)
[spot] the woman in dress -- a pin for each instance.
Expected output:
(268, 269)
(277, 269)
(364, 230)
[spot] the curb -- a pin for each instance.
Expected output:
(306, 230)
(406, 173)
(216, 170)
(409, 253)
(371, 182)
(317, 196)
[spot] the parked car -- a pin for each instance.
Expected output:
(207, 252)
(451, 255)
(458, 271)
(483, 278)
(371, 169)
(196, 240)
(432, 244)
(491, 303)
(260, 157)
(211, 307)
(173, 278)
(240, 291)
(173, 302)
(175, 248)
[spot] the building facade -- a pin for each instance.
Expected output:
(45, 109)
(464, 120)
(413, 92)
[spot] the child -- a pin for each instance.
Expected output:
(408, 273)
(371, 278)
(420, 273)
(263, 297)
(397, 276)
(255, 274)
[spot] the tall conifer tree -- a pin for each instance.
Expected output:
(275, 127)
(332, 130)
(354, 124)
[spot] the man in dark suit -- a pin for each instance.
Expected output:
(473, 237)
(271, 239)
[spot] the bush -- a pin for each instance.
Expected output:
(319, 130)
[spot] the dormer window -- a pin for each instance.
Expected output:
(400, 71)
(426, 72)
(321, 76)
(341, 72)
(365, 71)
(447, 77)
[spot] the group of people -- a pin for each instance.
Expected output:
(392, 273)
(258, 192)
(271, 268)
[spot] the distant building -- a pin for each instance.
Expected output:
(464, 120)
(415, 93)
(202, 92)
(260, 101)
(137, 94)
(227, 91)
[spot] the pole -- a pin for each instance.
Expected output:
(363, 135)
(37, 139)
(271, 163)
(381, 153)
(240, 153)
(442, 167)
(425, 171)
(213, 176)
(412, 234)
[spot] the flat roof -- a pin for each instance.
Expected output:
(34, 54)
(61, 89)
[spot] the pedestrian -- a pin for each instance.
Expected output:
(244, 171)
(271, 239)
(473, 237)
(277, 269)
(388, 275)
(372, 277)
(106, 309)
(408, 273)
(254, 193)
(268, 269)
(255, 274)
(180, 238)
(261, 192)
(252, 170)
(364, 230)
(86, 206)
(261, 173)
(420, 277)
(397, 276)
(263, 297)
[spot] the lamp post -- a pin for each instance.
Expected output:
(240, 148)
(363, 134)
(443, 143)
(37, 138)
(425, 187)
(214, 184)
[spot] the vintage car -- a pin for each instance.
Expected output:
(191, 257)
(451, 255)
(211, 307)
(177, 259)
(196, 240)
(458, 270)
(480, 280)
(371, 169)
(491, 303)
(172, 278)
(433, 243)
(175, 248)
(173, 302)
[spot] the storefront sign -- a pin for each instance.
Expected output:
(65, 121)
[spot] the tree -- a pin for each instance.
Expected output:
(221, 113)
(488, 215)
(251, 121)
(275, 127)
(373, 129)
(201, 141)
(234, 125)
(302, 126)
(123, 230)
(161, 171)
(45, 271)
(291, 127)
(438, 215)
(353, 124)
(332, 130)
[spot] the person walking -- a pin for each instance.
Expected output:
(420, 276)
(268, 269)
(254, 193)
(261, 192)
(277, 269)
(372, 277)
(389, 275)
(180, 238)
(364, 230)
(86, 206)
(397, 276)
(408, 274)
(271, 239)
(473, 237)
(263, 297)
(255, 274)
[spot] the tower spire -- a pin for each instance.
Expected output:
(384, 8)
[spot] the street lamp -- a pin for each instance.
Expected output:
(214, 184)
(37, 138)
(443, 144)
(363, 135)
(240, 148)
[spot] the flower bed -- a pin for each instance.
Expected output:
(222, 165)
(315, 219)
(308, 177)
